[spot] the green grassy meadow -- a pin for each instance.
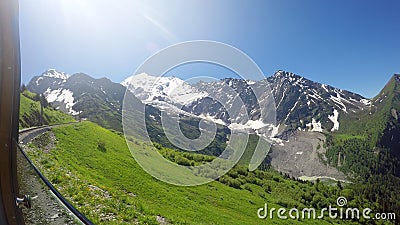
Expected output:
(93, 168)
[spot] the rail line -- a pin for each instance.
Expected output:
(26, 136)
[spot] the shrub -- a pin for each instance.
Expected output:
(242, 171)
(182, 161)
(248, 187)
(233, 174)
(101, 146)
(234, 183)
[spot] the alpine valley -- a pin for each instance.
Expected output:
(320, 132)
(309, 115)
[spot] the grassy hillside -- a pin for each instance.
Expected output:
(368, 148)
(30, 112)
(93, 168)
(365, 140)
(371, 123)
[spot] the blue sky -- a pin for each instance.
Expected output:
(348, 44)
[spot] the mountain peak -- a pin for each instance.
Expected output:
(170, 89)
(282, 73)
(55, 74)
(286, 75)
(144, 78)
(81, 76)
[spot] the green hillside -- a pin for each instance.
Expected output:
(370, 124)
(93, 168)
(29, 115)
(367, 147)
(365, 139)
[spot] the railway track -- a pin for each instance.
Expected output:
(48, 205)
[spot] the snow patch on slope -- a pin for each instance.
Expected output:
(61, 95)
(38, 80)
(338, 100)
(250, 82)
(268, 131)
(314, 126)
(365, 101)
(334, 119)
(324, 87)
(250, 124)
(213, 119)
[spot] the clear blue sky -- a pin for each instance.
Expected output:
(349, 44)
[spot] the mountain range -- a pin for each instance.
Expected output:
(306, 111)
(300, 103)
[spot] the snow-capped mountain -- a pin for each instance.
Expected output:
(175, 95)
(172, 90)
(300, 103)
(55, 74)
(48, 79)
(99, 100)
